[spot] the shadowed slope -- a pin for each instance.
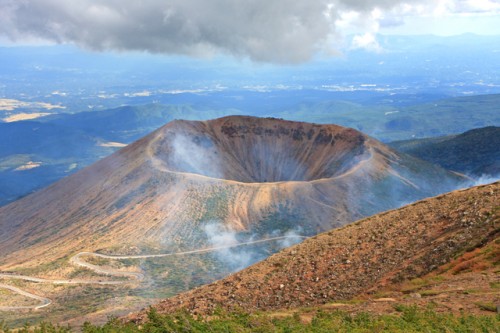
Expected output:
(475, 152)
(340, 264)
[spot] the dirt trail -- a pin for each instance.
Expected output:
(43, 301)
(61, 281)
(78, 261)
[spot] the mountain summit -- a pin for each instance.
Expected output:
(259, 176)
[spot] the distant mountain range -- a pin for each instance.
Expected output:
(35, 153)
(388, 123)
(475, 152)
(62, 144)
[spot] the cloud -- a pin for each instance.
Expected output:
(367, 41)
(195, 155)
(268, 31)
(226, 240)
(468, 6)
(278, 31)
(485, 179)
(293, 237)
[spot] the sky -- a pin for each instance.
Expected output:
(267, 31)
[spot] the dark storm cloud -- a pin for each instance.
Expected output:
(286, 31)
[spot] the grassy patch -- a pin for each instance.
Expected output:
(430, 292)
(487, 306)
(471, 291)
(409, 319)
(49, 266)
(418, 283)
(351, 301)
(383, 294)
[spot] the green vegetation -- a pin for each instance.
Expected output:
(409, 319)
(43, 328)
(475, 152)
(215, 205)
(487, 306)
(495, 285)
(418, 283)
(431, 292)
(285, 218)
(390, 123)
(169, 277)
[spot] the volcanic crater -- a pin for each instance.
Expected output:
(260, 176)
(256, 150)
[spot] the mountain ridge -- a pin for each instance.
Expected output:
(474, 152)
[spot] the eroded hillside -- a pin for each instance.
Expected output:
(363, 258)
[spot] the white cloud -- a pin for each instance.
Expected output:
(439, 8)
(280, 31)
(475, 6)
(367, 41)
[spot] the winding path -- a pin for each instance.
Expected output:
(43, 301)
(78, 261)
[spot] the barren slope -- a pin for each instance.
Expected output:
(361, 258)
(251, 175)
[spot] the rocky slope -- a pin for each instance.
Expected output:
(364, 257)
